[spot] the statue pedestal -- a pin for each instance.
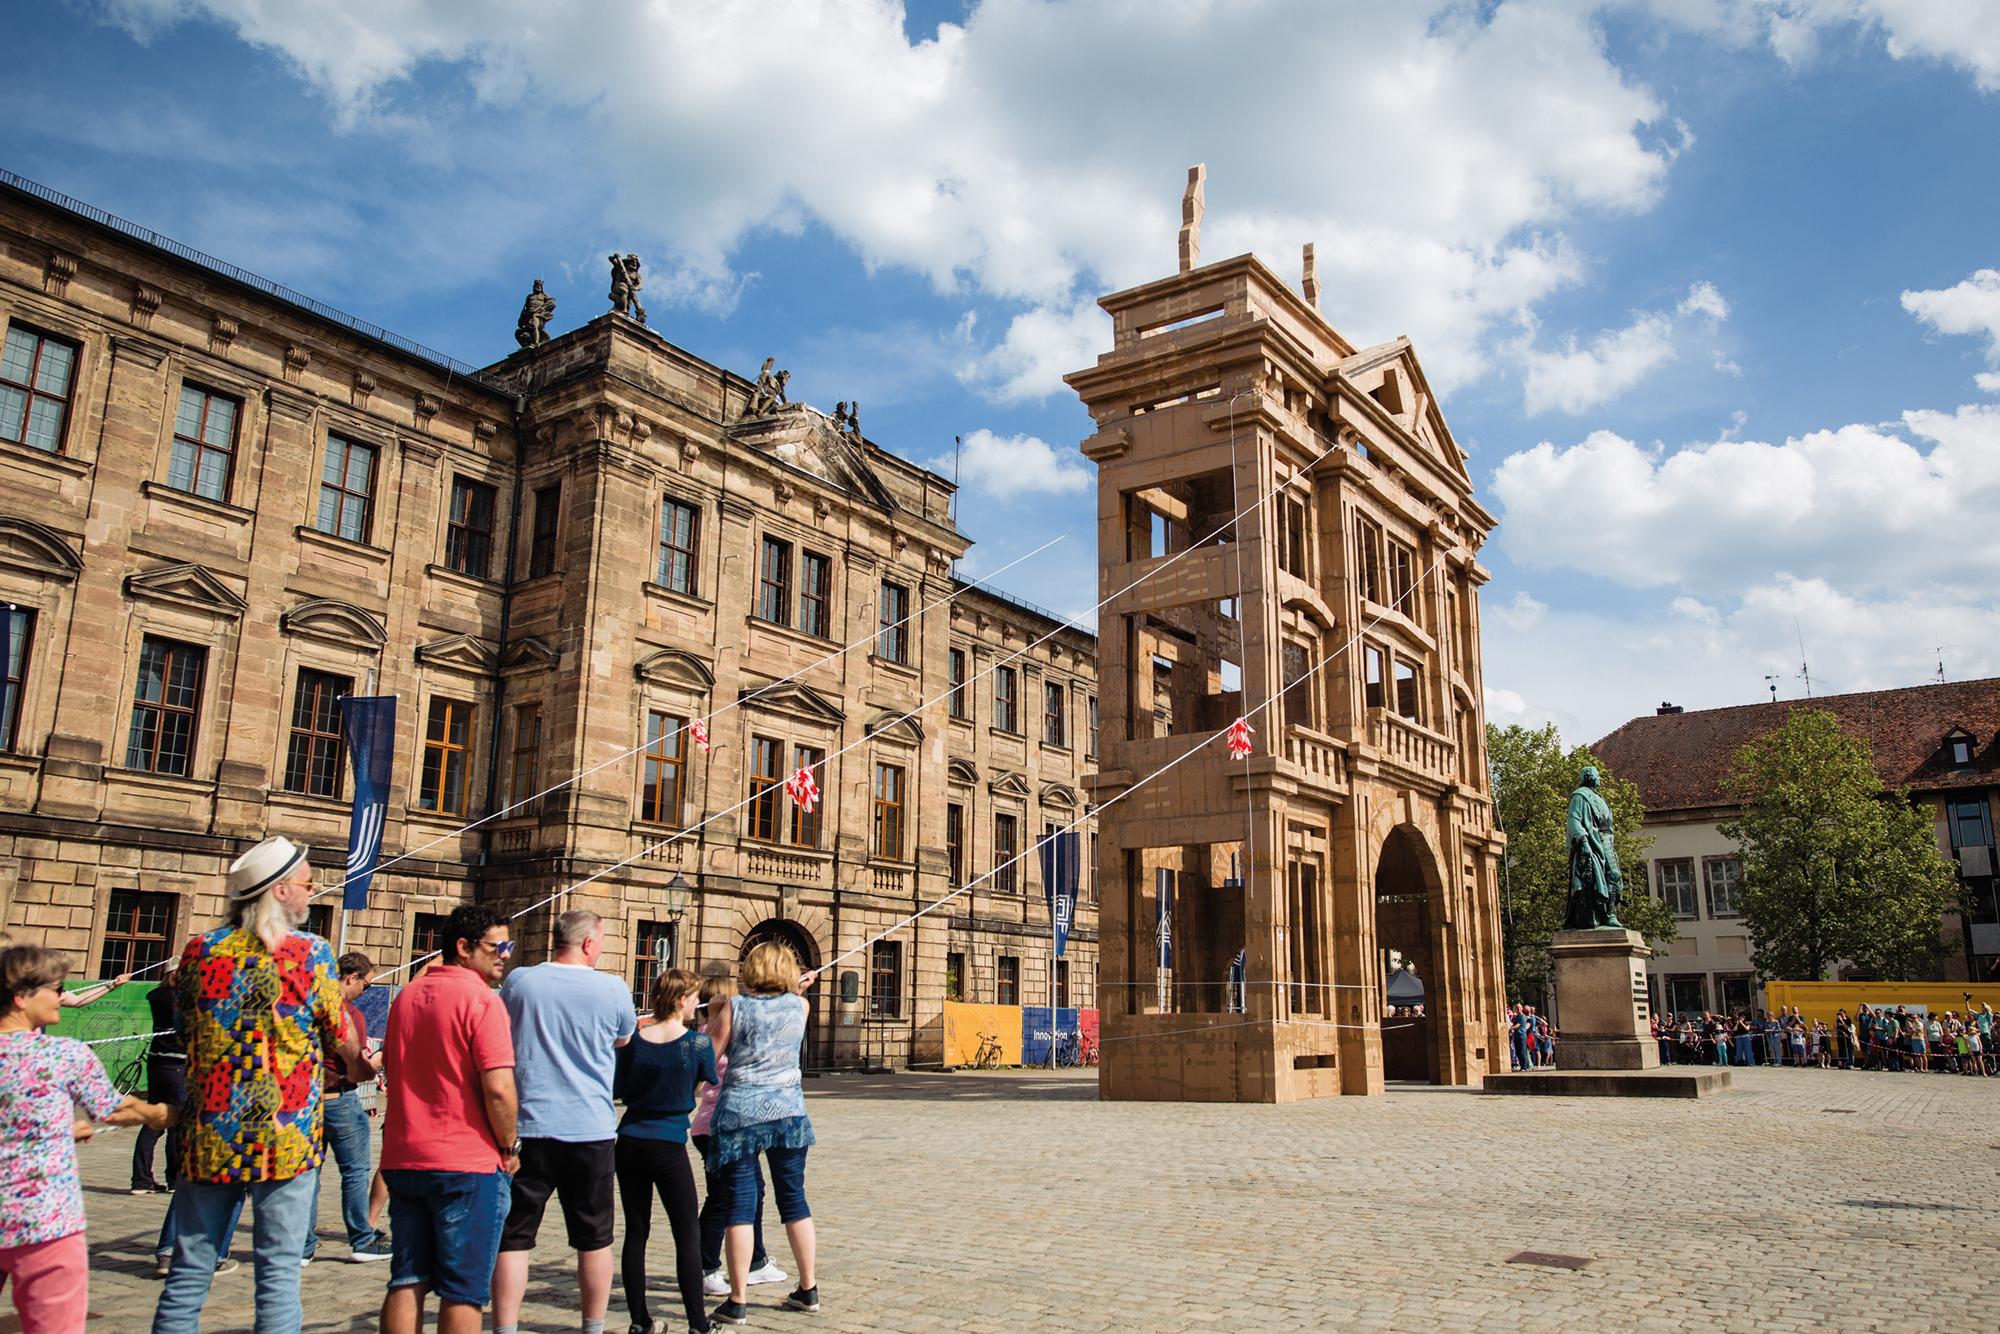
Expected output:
(1601, 1010)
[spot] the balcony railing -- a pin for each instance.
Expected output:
(770, 864)
(1321, 759)
(1403, 742)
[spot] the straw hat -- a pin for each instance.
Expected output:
(263, 866)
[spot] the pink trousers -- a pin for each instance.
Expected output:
(51, 1282)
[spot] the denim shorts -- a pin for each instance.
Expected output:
(788, 1183)
(444, 1231)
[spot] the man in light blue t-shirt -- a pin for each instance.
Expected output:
(569, 1020)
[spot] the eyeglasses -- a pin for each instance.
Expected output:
(503, 948)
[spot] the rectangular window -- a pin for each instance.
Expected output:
(20, 634)
(774, 582)
(165, 707)
(892, 639)
(1677, 886)
(1006, 844)
(1008, 990)
(446, 783)
(319, 920)
(313, 759)
(1163, 697)
(1091, 704)
(767, 765)
(548, 520)
(954, 976)
(1734, 992)
(652, 942)
(1295, 661)
(1687, 996)
(37, 373)
(954, 845)
(1055, 729)
(1062, 984)
(1006, 699)
(138, 931)
(347, 489)
(427, 932)
(889, 812)
(959, 700)
(1969, 822)
(468, 535)
(666, 752)
(525, 782)
(816, 594)
(680, 533)
(1368, 558)
(1306, 913)
(1409, 692)
(1292, 553)
(1091, 870)
(1371, 690)
(1725, 885)
(1402, 577)
(806, 824)
(203, 455)
(885, 979)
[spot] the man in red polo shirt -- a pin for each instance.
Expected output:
(449, 1149)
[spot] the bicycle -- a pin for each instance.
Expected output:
(127, 1069)
(1069, 1049)
(988, 1055)
(1087, 1050)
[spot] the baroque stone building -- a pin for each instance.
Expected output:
(223, 506)
(1340, 616)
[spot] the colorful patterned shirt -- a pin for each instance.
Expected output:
(254, 1022)
(42, 1078)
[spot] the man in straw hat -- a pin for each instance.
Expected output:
(258, 998)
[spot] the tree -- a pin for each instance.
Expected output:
(1835, 865)
(1532, 780)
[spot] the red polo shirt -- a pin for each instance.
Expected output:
(445, 1028)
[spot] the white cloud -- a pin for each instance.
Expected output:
(1988, 381)
(1007, 466)
(1042, 345)
(1702, 299)
(1971, 307)
(1961, 33)
(1574, 378)
(993, 158)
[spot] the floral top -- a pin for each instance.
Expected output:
(43, 1078)
(254, 1022)
(762, 1103)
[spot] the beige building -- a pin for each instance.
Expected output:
(223, 506)
(1361, 820)
(1941, 742)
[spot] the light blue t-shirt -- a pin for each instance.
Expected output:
(568, 1019)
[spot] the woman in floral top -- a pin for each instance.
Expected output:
(44, 1081)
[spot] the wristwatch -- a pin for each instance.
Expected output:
(512, 1151)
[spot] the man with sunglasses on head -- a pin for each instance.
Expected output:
(449, 1149)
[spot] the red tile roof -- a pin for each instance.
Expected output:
(1680, 761)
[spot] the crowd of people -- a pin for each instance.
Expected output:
(1895, 1038)
(502, 1089)
(1531, 1038)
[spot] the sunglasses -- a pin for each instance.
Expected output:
(503, 948)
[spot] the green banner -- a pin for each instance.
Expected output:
(122, 1014)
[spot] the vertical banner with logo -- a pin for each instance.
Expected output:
(1238, 1003)
(370, 723)
(1163, 891)
(1060, 867)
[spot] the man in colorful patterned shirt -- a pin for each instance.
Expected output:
(258, 998)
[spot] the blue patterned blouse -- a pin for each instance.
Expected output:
(762, 1104)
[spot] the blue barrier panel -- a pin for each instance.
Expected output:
(1035, 1034)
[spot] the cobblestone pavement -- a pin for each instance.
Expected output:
(997, 1201)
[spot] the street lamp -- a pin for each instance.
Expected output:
(679, 893)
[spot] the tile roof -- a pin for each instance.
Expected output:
(1680, 761)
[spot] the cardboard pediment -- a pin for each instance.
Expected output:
(186, 585)
(890, 725)
(1009, 785)
(529, 654)
(675, 670)
(458, 653)
(963, 772)
(1390, 375)
(31, 548)
(794, 700)
(334, 622)
(1310, 605)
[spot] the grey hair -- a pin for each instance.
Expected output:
(267, 918)
(575, 927)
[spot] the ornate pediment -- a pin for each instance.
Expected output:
(808, 440)
(527, 655)
(1009, 785)
(1391, 376)
(1310, 605)
(795, 700)
(890, 725)
(31, 548)
(963, 772)
(675, 670)
(1059, 794)
(186, 585)
(458, 653)
(332, 622)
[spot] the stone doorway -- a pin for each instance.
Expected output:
(776, 930)
(1406, 886)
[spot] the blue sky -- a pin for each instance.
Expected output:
(1705, 284)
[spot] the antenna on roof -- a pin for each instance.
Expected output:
(1805, 672)
(1771, 679)
(1939, 650)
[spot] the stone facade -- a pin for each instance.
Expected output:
(1362, 813)
(232, 507)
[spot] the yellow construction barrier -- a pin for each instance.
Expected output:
(981, 1035)
(1822, 1000)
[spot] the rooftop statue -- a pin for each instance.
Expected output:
(769, 393)
(536, 311)
(1595, 882)
(625, 285)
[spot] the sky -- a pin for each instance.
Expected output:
(1710, 289)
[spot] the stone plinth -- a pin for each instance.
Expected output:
(1677, 1081)
(1601, 1001)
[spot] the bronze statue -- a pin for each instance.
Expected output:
(533, 329)
(625, 285)
(847, 418)
(769, 394)
(1595, 881)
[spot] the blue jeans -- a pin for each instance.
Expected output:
(445, 1230)
(788, 1183)
(715, 1205)
(204, 1216)
(1520, 1049)
(347, 1141)
(169, 1230)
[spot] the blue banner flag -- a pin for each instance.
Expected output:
(1163, 891)
(1237, 967)
(1059, 876)
(370, 724)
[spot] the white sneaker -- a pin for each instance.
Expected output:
(714, 1284)
(770, 1273)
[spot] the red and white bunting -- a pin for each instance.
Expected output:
(1239, 738)
(699, 732)
(804, 790)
